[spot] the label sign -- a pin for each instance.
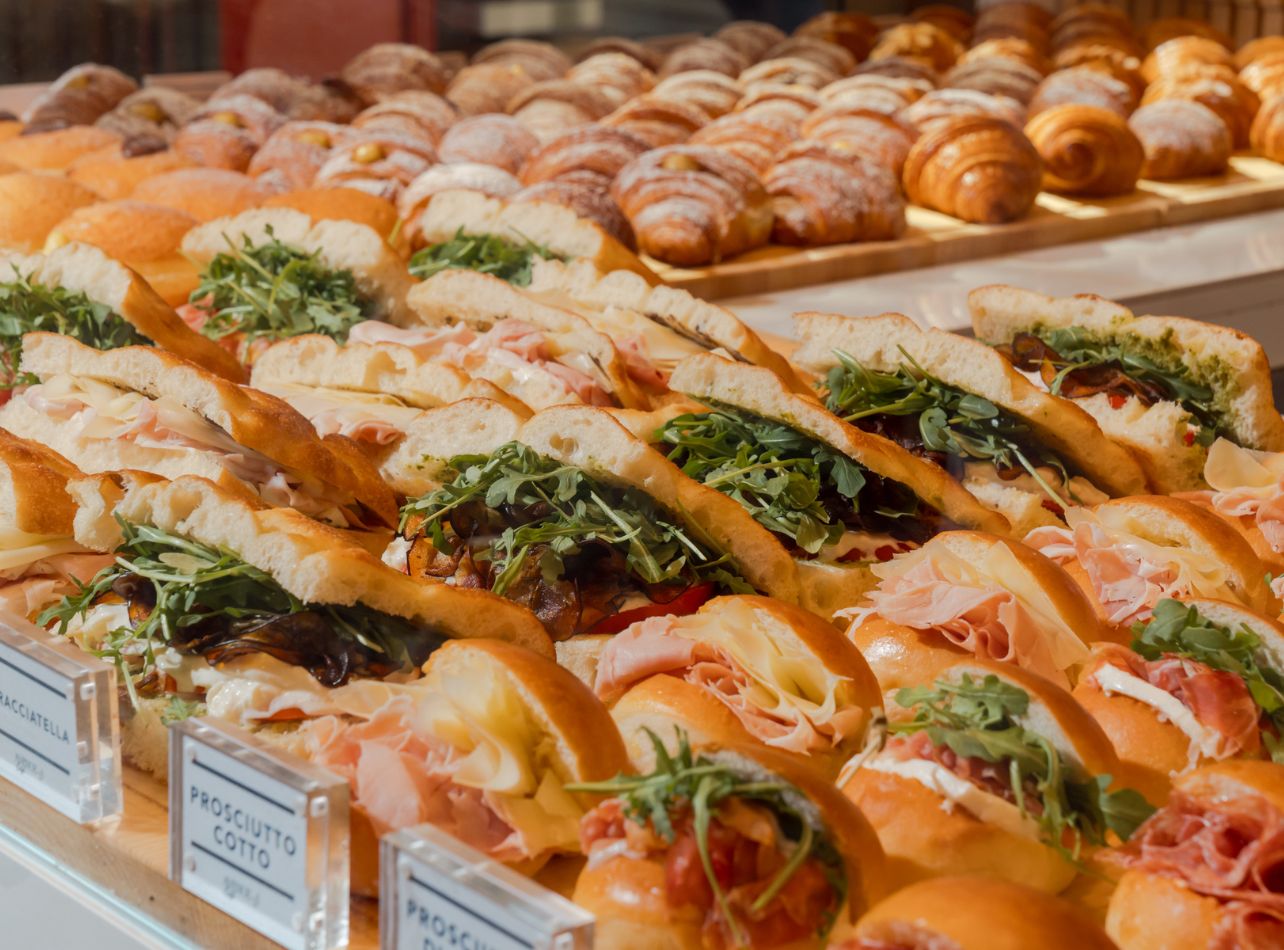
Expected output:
(58, 732)
(440, 894)
(259, 834)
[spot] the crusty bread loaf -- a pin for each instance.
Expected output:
(415, 465)
(33, 488)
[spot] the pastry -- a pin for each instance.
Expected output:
(154, 112)
(551, 107)
(834, 57)
(600, 149)
(293, 97)
(1267, 135)
(487, 87)
(615, 75)
(1086, 150)
(761, 92)
(292, 155)
(226, 133)
(658, 120)
(1000, 77)
(1254, 50)
(921, 41)
(900, 67)
(708, 54)
(539, 60)
(758, 141)
(942, 104)
(1181, 139)
(1023, 51)
(115, 174)
(393, 67)
(869, 133)
(1084, 86)
(643, 55)
(790, 70)
(378, 162)
(1172, 55)
(1234, 102)
(822, 196)
(56, 150)
(588, 194)
(414, 112)
(750, 38)
(1264, 74)
(78, 97)
(462, 176)
(953, 20)
(854, 32)
(713, 93)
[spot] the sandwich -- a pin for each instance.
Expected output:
(215, 603)
(1203, 681)
(724, 846)
(574, 517)
(995, 771)
(1203, 871)
(965, 592)
(468, 229)
(975, 913)
(1245, 488)
(1130, 553)
(838, 498)
(955, 401)
(275, 273)
(542, 354)
(40, 559)
(80, 293)
(342, 204)
(741, 669)
(1163, 387)
(136, 407)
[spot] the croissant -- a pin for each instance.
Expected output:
(539, 60)
(414, 112)
(1254, 50)
(78, 97)
(958, 23)
(999, 77)
(1086, 150)
(788, 111)
(465, 176)
(1181, 139)
(640, 53)
(657, 121)
(1234, 102)
(498, 140)
(292, 155)
(872, 134)
(1023, 51)
(692, 204)
(551, 107)
(790, 70)
(922, 41)
(755, 140)
(713, 93)
(822, 197)
(708, 54)
(1104, 59)
(154, 112)
(294, 98)
(595, 148)
(1264, 74)
(833, 57)
(1267, 135)
(1025, 21)
(487, 87)
(1084, 86)
(849, 89)
(615, 75)
(393, 67)
(750, 38)
(854, 32)
(1172, 55)
(1169, 28)
(589, 196)
(975, 168)
(378, 162)
(944, 104)
(226, 133)
(761, 92)
(900, 67)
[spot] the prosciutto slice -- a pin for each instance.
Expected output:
(26, 591)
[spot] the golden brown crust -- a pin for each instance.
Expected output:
(1182, 139)
(925, 42)
(32, 204)
(342, 204)
(1084, 86)
(1219, 781)
(1267, 134)
(1234, 103)
(1156, 912)
(1086, 150)
(204, 193)
(33, 484)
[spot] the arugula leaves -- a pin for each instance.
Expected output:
(26, 307)
(687, 781)
(1177, 629)
(502, 257)
(202, 599)
(978, 720)
(273, 290)
(793, 485)
(950, 421)
(541, 502)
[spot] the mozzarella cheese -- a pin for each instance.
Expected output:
(1203, 741)
(19, 549)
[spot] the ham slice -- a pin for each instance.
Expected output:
(34, 587)
(1247, 483)
(424, 340)
(355, 424)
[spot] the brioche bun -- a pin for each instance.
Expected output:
(31, 204)
(115, 176)
(54, 151)
(204, 193)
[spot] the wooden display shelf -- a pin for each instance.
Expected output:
(1252, 184)
(129, 858)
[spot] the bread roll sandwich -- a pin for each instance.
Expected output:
(965, 592)
(276, 273)
(1019, 450)
(82, 294)
(740, 669)
(1203, 871)
(136, 407)
(541, 354)
(1203, 681)
(1163, 387)
(725, 846)
(1129, 553)
(995, 771)
(1245, 490)
(570, 514)
(255, 612)
(975, 913)
(472, 230)
(40, 559)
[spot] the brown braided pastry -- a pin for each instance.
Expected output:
(760, 92)
(595, 148)
(820, 196)
(551, 107)
(1254, 50)
(1267, 136)
(1169, 28)
(854, 32)
(498, 140)
(692, 204)
(975, 168)
(414, 112)
(154, 112)
(921, 41)
(757, 141)
(487, 87)
(899, 67)
(1086, 87)
(1264, 74)
(1234, 102)
(539, 60)
(1174, 55)
(750, 38)
(78, 97)
(792, 70)
(1181, 139)
(1023, 51)
(614, 75)
(872, 134)
(643, 55)
(710, 54)
(998, 77)
(226, 133)
(378, 162)
(713, 93)
(589, 196)
(941, 105)
(1086, 150)
(657, 121)
(954, 21)
(386, 68)
(835, 58)
(294, 153)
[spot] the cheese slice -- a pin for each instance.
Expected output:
(34, 548)
(1203, 741)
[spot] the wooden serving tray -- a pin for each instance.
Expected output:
(1252, 184)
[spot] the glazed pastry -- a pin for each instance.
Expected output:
(820, 196)
(151, 113)
(1254, 50)
(294, 153)
(1181, 139)
(999, 77)
(1084, 86)
(487, 87)
(551, 107)
(1023, 51)
(1234, 102)
(1267, 136)
(414, 112)
(710, 54)
(615, 75)
(871, 134)
(599, 149)
(954, 21)
(900, 67)
(921, 41)
(692, 204)
(1086, 150)
(463, 176)
(1168, 28)
(854, 32)
(790, 70)
(641, 54)
(377, 162)
(1175, 54)
(975, 168)
(942, 104)
(1264, 74)
(498, 140)
(589, 196)
(657, 121)
(226, 133)
(539, 60)
(761, 92)
(833, 57)
(713, 93)
(750, 38)
(386, 68)
(80, 96)
(757, 141)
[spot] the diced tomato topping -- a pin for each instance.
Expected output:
(1189, 437)
(687, 602)
(1053, 507)
(1117, 400)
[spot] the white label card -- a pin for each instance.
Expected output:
(37, 725)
